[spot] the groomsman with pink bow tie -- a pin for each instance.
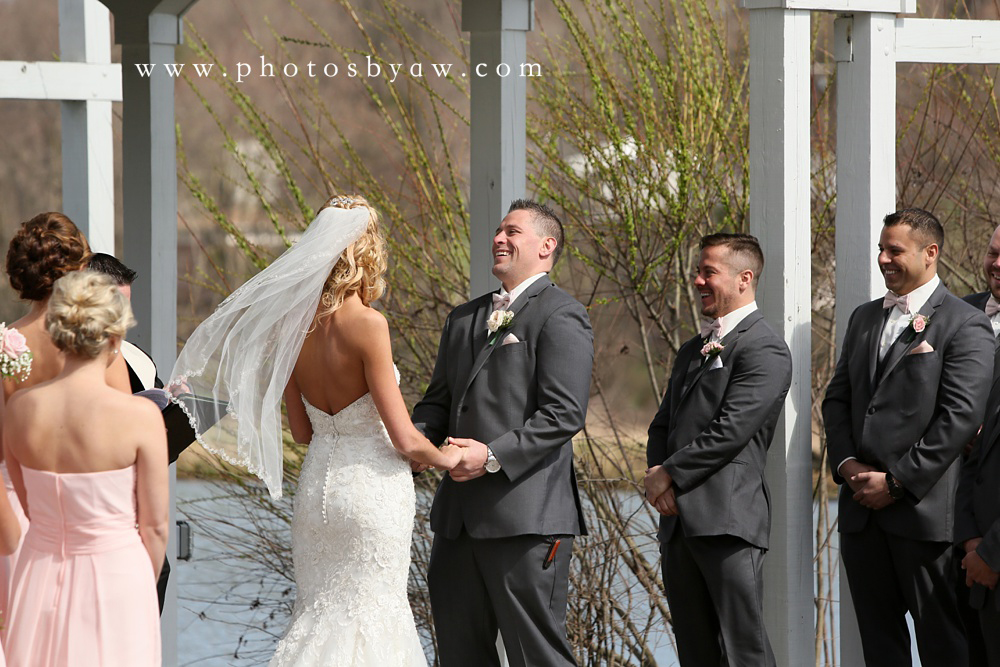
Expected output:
(977, 506)
(908, 393)
(706, 454)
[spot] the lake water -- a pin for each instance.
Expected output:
(226, 615)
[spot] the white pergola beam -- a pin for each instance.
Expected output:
(498, 141)
(779, 217)
(947, 41)
(88, 174)
(22, 80)
(839, 6)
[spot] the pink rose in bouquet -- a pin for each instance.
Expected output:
(14, 344)
(15, 357)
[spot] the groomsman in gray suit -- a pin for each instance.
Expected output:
(908, 393)
(511, 386)
(706, 454)
(977, 507)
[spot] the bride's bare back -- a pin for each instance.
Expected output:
(346, 356)
(330, 372)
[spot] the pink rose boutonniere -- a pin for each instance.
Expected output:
(712, 349)
(919, 323)
(15, 357)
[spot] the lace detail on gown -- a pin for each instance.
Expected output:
(351, 532)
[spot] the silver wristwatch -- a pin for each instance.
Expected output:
(491, 465)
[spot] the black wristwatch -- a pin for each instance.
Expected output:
(895, 490)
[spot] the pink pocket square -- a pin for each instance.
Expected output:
(923, 348)
(510, 339)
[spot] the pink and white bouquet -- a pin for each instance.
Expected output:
(15, 357)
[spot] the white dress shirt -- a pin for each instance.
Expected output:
(521, 287)
(995, 318)
(898, 320)
(732, 320)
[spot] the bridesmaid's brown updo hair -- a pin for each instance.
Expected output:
(45, 248)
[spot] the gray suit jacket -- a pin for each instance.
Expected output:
(915, 420)
(525, 400)
(978, 301)
(977, 504)
(712, 433)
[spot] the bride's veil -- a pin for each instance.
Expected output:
(231, 373)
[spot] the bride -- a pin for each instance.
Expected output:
(304, 328)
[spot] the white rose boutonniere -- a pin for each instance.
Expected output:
(499, 320)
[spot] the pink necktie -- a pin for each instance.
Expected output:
(992, 306)
(892, 299)
(708, 327)
(501, 302)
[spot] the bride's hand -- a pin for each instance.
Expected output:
(453, 456)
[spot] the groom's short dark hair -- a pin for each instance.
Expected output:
(111, 266)
(546, 222)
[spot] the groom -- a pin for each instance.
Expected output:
(511, 386)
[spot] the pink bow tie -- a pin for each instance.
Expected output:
(892, 299)
(501, 302)
(992, 306)
(708, 327)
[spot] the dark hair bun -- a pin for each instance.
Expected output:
(46, 248)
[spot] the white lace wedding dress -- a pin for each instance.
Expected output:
(351, 533)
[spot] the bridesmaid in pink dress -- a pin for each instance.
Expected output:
(45, 248)
(89, 464)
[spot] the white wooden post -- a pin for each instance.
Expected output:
(779, 217)
(866, 192)
(88, 175)
(498, 134)
(149, 31)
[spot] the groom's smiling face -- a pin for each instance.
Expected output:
(519, 252)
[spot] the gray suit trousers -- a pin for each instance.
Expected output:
(989, 620)
(715, 589)
(478, 586)
(890, 575)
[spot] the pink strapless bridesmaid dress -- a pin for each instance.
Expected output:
(8, 563)
(83, 590)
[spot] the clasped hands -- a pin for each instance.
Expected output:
(976, 569)
(659, 490)
(468, 457)
(869, 485)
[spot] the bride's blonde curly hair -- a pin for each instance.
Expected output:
(361, 268)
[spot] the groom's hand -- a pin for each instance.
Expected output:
(472, 464)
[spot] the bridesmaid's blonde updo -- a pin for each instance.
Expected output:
(85, 311)
(361, 268)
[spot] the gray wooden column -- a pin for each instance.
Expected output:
(866, 191)
(498, 135)
(88, 173)
(149, 31)
(779, 217)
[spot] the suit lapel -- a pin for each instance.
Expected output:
(728, 343)
(899, 348)
(483, 315)
(992, 420)
(874, 329)
(685, 364)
